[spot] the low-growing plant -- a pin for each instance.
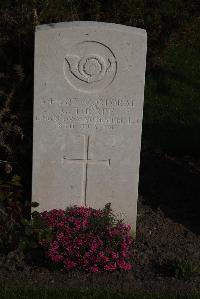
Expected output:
(184, 268)
(33, 231)
(11, 196)
(11, 207)
(86, 239)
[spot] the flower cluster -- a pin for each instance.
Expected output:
(87, 239)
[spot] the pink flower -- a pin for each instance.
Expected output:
(128, 227)
(44, 243)
(96, 243)
(114, 255)
(85, 262)
(88, 254)
(77, 242)
(97, 213)
(102, 258)
(56, 257)
(123, 265)
(111, 267)
(69, 264)
(94, 269)
(85, 223)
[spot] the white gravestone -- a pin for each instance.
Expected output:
(88, 106)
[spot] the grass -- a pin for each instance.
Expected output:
(171, 106)
(184, 268)
(7, 292)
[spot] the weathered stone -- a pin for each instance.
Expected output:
(88, 103)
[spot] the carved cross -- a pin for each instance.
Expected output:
(85, 162)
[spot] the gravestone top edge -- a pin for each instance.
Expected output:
(92, 24)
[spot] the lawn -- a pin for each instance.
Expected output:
(171, 107)
(7, 292)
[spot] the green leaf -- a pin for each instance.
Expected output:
(22, 245)
(10, 194)
(27, 203)
(34, 204)
(16, 181)
(32, 244)
(28, 231)
(25, 222)
(49, 237)
(35, 214)
(2, 196)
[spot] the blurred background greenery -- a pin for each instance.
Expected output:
(172, 106)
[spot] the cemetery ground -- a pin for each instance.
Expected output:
(166, 252)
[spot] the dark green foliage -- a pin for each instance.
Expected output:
(11, 196)
(11, 210)
(183, 268)
(18, 233)
(31, 232)
(108, 219)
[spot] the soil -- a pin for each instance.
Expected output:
(168, 228)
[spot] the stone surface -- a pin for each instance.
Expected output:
(88, 105)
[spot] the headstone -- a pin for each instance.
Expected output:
(88, 105)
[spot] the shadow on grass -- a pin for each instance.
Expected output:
(171, 183)
(172, 139)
